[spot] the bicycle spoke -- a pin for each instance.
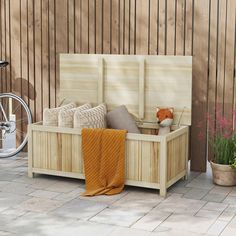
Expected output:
(16, 108)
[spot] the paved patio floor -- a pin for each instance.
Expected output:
(49, 205)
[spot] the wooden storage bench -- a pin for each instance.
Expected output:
(139, 82)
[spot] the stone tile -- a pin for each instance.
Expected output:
(164, 231)
(151, 220)
(196, 193)
(4, 183)
(230, 229)
(230, 200)
(212, 206)
(221, 190)
(231, 208)
(39, 205)
(63, 186)
(208, 214)
(14, 212)
(181, 190)
(217, 228)
(10, 200)
(79, 209)
(83, 228)
(107, 199)
(17, 188)
(226, 216)
(8, 176)
(70, 195)
(201, 184)
(128, 232)
(214, 197)
(180, 205)
(138, 201)
(39, 224)
(188, 223)
(5, 233)
(233, 192)
(118, 216)
(44, 194)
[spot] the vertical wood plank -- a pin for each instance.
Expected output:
(85, 26)
(212, 72)
(8, 43)
(99, 26)
(61, 35)
(132, 26)
(189, 27)
(78, 26)
(106, 27)
(142, 27)
(199, 93)
(38, 59)
(92, 23)
(52, 54)
(170, 28)
(162, 28)
(153, 18)
(229, 60)
(180, 14)
(45, 56)
(71, 25)
(121, 25)
(221, 54)
(32, 94)
(126, 29)
(115, 26)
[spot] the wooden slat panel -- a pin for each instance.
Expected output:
(153, 18)
(170, 27)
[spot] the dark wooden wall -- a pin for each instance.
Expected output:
(34, 32)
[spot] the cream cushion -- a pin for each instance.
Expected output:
(50, 116)
(66, 117)
(91, 118)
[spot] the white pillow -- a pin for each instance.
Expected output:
(91, 118)
(66, 117)
(50, 116)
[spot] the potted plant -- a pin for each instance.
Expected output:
(223, 143)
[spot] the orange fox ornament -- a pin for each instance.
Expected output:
(165, 117)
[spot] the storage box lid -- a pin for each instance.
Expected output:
(140, 82)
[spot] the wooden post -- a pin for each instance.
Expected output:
(30, 152)
(163, 167)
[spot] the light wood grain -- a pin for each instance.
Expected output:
(151, 161)
(140, 82)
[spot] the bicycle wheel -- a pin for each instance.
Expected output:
(14, 118)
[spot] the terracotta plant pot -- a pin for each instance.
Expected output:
(223, 175)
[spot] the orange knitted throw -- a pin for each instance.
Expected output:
(104, 161)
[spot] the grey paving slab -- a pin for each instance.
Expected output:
(80, 209)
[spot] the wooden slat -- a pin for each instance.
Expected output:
(153, 18)
(84, 26)
(71, 25)
(162, 28)
(126, 29)
(170, 27)
(99, 26)
(92, 26)
(180, 15)
(142, 9)
(106, 27)
(115, 26)
(200, 78)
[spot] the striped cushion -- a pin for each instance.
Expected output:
(66, 117)
(50, 116)
(91, 118)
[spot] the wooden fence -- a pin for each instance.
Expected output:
(34, 32)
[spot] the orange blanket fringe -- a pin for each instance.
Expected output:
(104, 161)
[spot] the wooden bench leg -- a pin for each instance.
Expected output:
(163, 192)
(30, 173)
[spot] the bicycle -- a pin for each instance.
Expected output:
(15, 115)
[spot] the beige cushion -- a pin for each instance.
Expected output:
(66, 117)
(91, 118)
(50, 116)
